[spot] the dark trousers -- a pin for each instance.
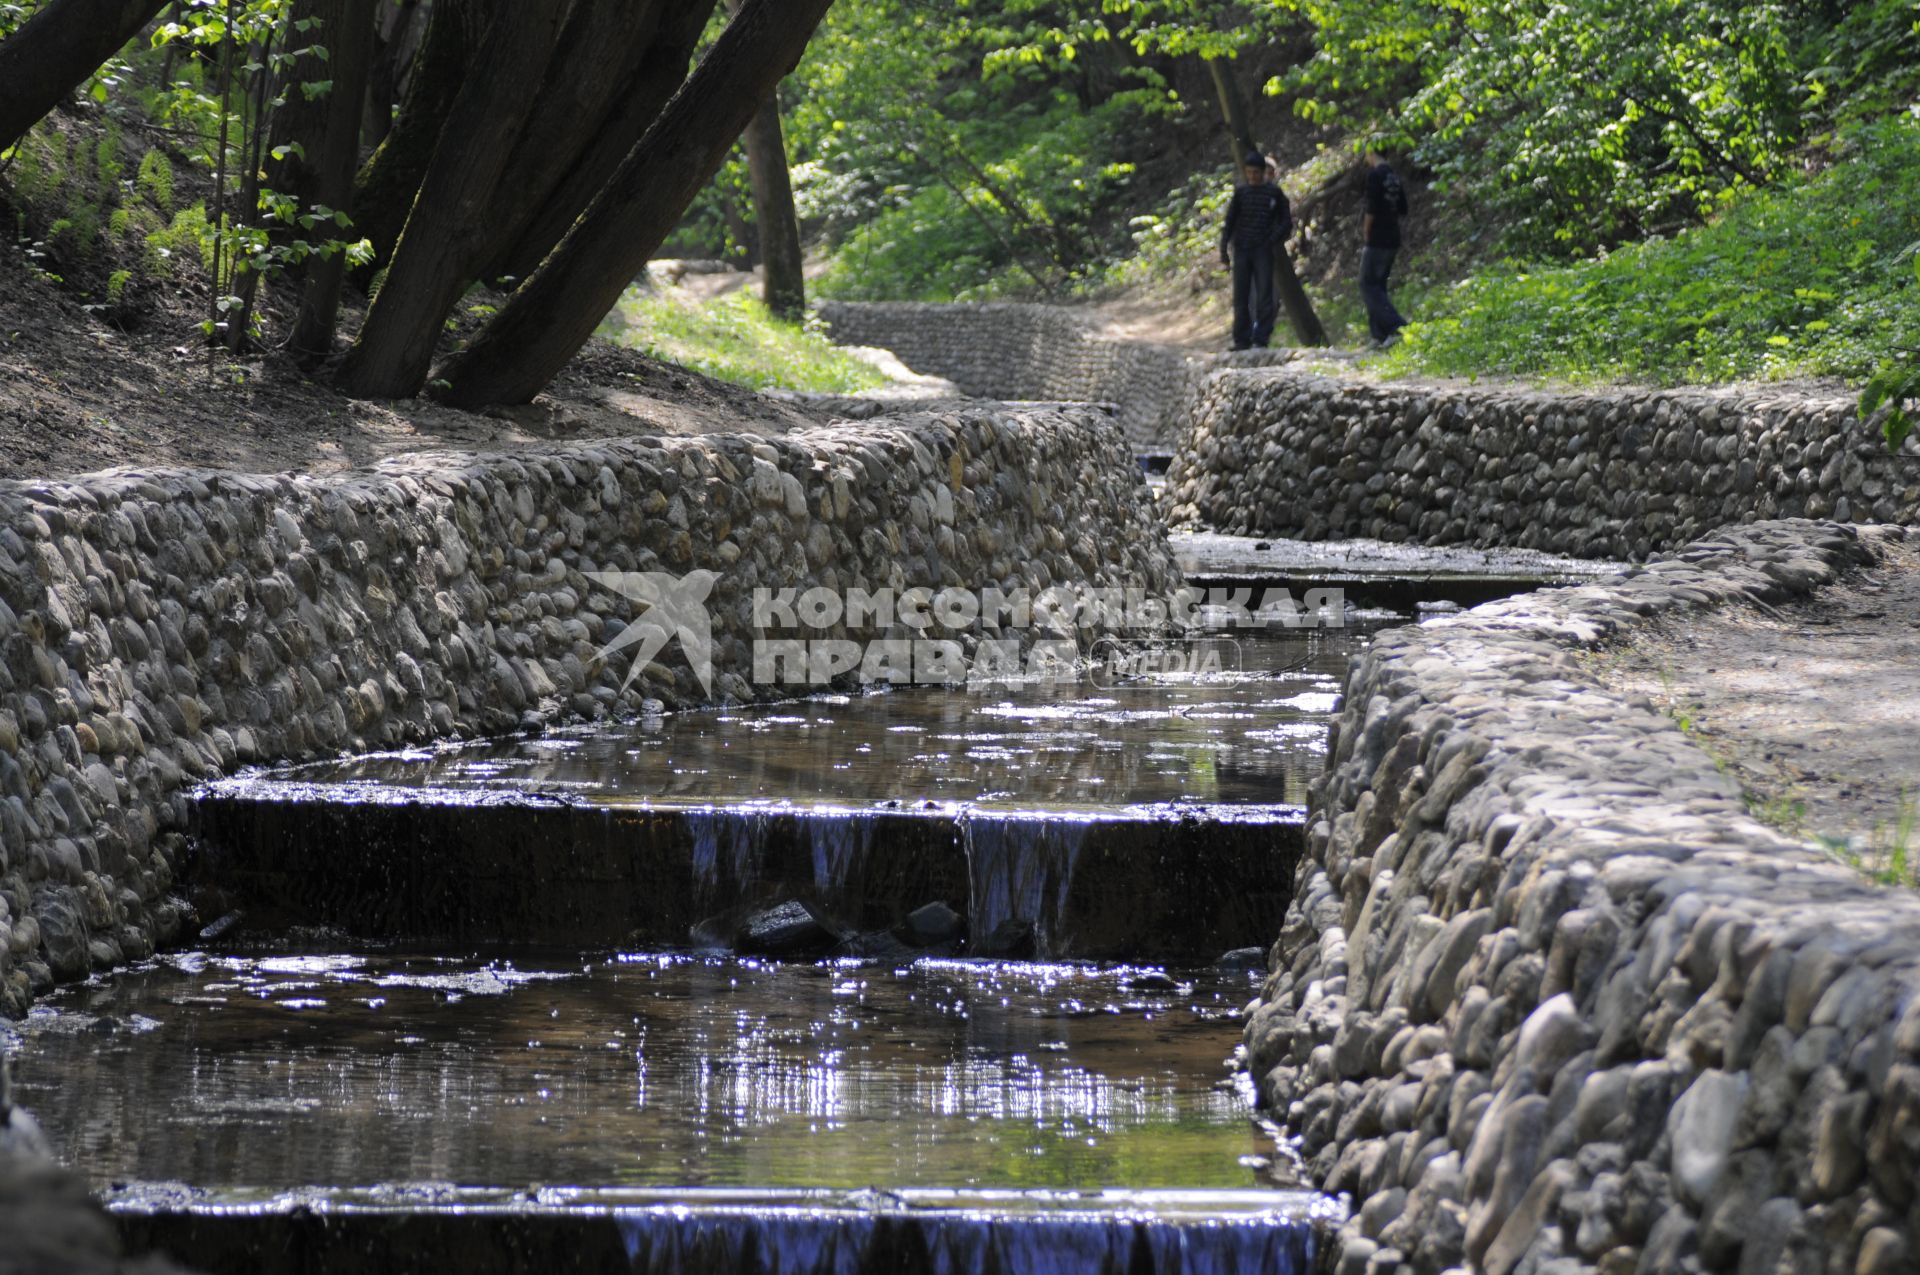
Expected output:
(1253, 302)
(1382, 319)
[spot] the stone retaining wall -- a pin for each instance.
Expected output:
(159, 628)
(1548, 999)
(1614, 474)
(1008, 350)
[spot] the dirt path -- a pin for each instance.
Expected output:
(1814, 707)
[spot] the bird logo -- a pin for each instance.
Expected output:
(676, 606)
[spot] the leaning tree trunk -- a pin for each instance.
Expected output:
(391, 356)
(322, 135)
(554, 313)
(384, 191)
(56, 50)
(785, 286)
(636, 106)
(1233, 109)
(1306, 325)
(1307, 329)
(598, 48)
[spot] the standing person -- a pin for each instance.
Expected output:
(1380, 243)
(1258, 221)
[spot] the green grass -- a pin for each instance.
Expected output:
(1816, 277)
(1888, 857)
(734, 338)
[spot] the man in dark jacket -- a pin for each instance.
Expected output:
(1380, 243)
(1258, 222)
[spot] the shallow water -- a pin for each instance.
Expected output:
(342, 1070)
(1254, 733)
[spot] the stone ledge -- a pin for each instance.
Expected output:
(1605, 474)
(1549, 999)
(163, 627)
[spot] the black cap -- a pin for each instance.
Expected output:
(1254, 159)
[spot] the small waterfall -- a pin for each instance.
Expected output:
(904, 1242)
(1019, 875)
(839, 841)
(727, 847)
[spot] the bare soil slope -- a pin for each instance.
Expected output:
(1814, 707)
(78, 394)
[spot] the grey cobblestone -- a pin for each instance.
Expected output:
(1672, 1035)
(161, 628)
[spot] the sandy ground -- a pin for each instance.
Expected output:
(1814, 707)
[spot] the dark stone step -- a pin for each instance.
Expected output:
(1135, 883)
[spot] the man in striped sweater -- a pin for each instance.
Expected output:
(1258, 223)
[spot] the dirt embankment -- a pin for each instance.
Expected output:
(79, 394)
(1812, 706)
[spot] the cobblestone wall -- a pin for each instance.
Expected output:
(1616, 474)
(1549, 1000)
(159, 628)
(1007, 350)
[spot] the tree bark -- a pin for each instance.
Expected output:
(636, 105)
(326, 131)
(554, 313)
(784, 288)
(394, 48)
(599, 49)
(1306, 325)
(384, 191)
(395, 346)
(56, 50)
(1233, 109)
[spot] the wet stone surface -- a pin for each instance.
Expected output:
(249, 1074)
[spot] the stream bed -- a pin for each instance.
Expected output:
(484, 1006)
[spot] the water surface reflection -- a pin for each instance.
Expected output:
(351, 1069)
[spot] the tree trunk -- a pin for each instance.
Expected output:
(57, 49)
(599, 49)
(384, 191)
(636, 106)
(785, 285)
(394, 47)
(1233, 109)
(1307, 329)
(554, 313)
(1306, 325)
(395, 347)
(326, 130)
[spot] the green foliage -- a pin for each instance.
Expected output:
(155, 180)
(12, 15)
(1021, 219)
(1184, 229)
(1584, 123)
(1888, 855)
(187, 237)
(735, 339)
(1813, 277)
(964, 150)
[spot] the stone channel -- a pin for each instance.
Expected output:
(376, 918)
